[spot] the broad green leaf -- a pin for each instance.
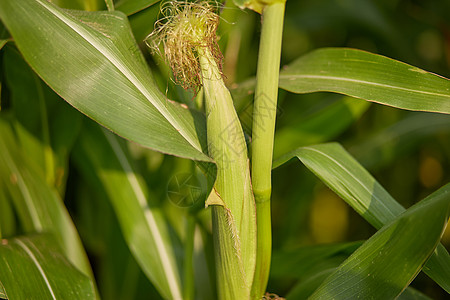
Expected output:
(34, 267)
(104, 158)
(386, 264)
(367, 76)
(345, 176)
(316, 128)
(39, 206)
(92, 61)
(130, 7)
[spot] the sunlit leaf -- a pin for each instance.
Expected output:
(34, 267)
(92, 61)
(367, 76)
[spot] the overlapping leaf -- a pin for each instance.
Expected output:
(103, 158)
(92, 61)
(385, 265)
(34, 267)
(367, 76)
(37, 204)
(344, 175)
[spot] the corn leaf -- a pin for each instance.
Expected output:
(344, 175)
(34, 267)
(104, 160)
(92, 61)
(386, 264)
(367, 76)
(39, 207)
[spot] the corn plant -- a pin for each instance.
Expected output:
(135, 164)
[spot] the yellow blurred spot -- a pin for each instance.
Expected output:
(329, 217)
(430, 45)
(430, 172)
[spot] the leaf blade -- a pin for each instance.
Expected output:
(345, 176)
(35, 267)
(385, 265)
(93, 62)
(38, 205)
(143, 225)
(364, 75)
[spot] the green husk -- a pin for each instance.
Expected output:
(188, 36)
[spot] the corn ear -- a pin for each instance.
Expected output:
(234, 212)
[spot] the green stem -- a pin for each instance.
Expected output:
(264, 114)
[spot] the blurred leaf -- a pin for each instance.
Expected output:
(142, 24)
(297, 263)
(34, 267)
(109, 5)
(130, 7)
(89, 5)
(367, 76)
(38, 205)
(305, 288)
(7, 219)
(380, 148)
(48, 126)
(316, 128)
(3, 43)
(386, 264)
(345, 176)
(413, 294)
(102, 157)
(93, 62)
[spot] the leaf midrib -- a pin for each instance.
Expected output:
(370, 83)
(124, 70)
